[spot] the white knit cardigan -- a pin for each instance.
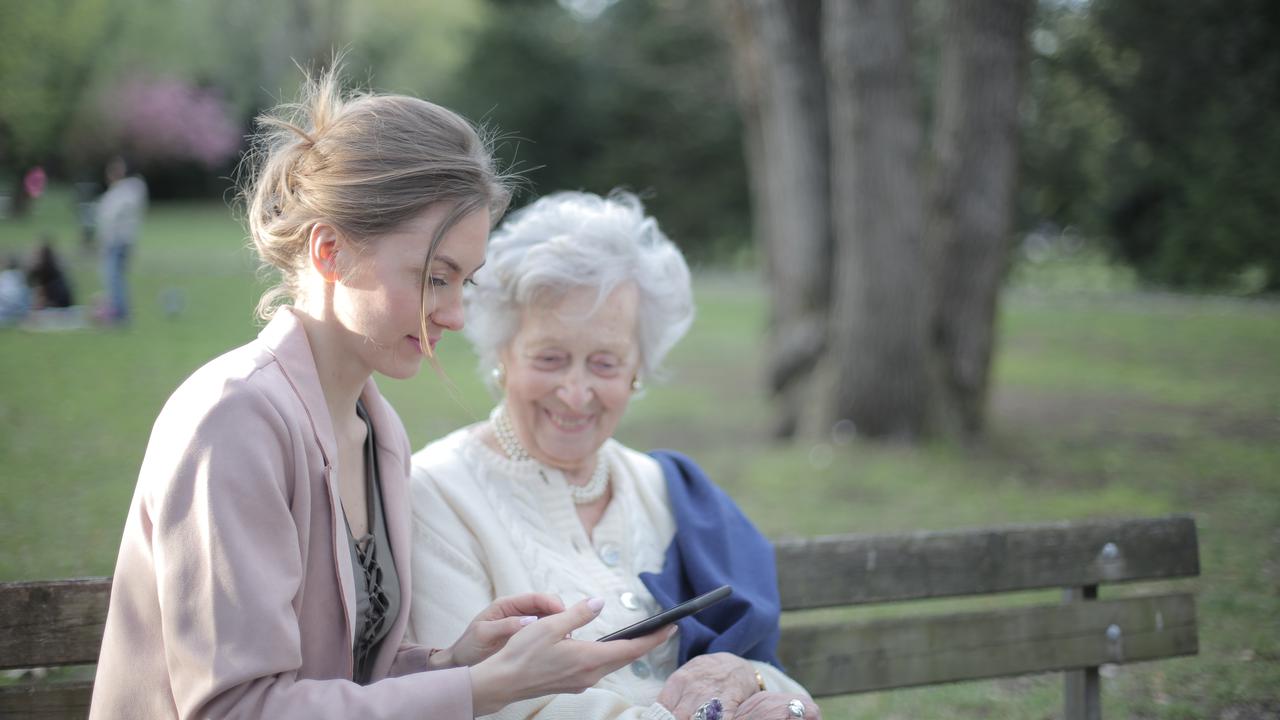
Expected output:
(487, 527)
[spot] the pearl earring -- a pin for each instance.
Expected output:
(499, 375)
(636, 384)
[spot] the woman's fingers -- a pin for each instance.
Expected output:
(495, 625)
(537, 604)
(493, 634)
(671, 693)
(538, 660)
(770, 705)
(597, 659)
(574, 617)
(720, 675)
(606, 657)
(643, 644)
(689, 699)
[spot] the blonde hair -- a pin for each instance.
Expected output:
(364, 163)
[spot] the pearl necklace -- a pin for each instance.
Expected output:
(581, 494)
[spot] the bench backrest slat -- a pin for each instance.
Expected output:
(57, 701)
(885, 654)
(856, 570)
(61, 622)
(52, 623)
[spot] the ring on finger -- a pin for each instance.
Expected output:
(795, 709)
(712, 709)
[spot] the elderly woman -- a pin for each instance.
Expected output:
(580, 300)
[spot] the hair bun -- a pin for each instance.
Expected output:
(362, 162)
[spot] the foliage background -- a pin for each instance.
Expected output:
(1149, 130)
(1152, 127)
(1112, 395)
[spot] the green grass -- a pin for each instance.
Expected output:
(1107, 402)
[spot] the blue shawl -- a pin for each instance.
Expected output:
(715, 544)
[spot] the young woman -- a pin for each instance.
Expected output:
(265, 569)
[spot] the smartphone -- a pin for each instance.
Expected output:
(667, 617)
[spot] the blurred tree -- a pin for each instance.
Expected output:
(48, 54)
(415, 47)
(633, 95)
(202, 71)
(66, 65)
(165, 119)
(782, 83)
(879, 340)
(920, 234)
(972, 201)
(1155, 128)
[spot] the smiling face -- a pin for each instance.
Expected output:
(378, 301)
(569, 372)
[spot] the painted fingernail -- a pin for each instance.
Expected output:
(527, 620)
(594, 604)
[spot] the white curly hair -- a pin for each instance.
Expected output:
(571, 240)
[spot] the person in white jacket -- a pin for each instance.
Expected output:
(117, 221)
(580, 299)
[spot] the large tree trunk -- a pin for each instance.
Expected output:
(833, 141)
(783, 96)
(975, 147)
(882, 302)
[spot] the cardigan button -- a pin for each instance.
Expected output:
(610, 554)
(641, 669)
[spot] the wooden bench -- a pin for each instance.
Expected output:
(1077, 635)
(50, 624)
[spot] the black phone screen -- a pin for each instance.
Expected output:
(667, 617)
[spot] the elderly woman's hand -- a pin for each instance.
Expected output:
(720, 675)
(491, 629)
(776, 706)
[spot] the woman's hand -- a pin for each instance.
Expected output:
(541, 659)
(773, 706)
(491, 629)
(721, 675)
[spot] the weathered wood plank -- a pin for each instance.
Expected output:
(881, 655)
(1082, 689)
(60, 622)
(851, 569)
(52, 623)
(834, 659)
(57, 701)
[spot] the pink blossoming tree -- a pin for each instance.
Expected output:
(162, 120)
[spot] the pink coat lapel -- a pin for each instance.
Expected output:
(285, 337)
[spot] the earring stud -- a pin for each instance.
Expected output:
(499, 374)
(637, 384)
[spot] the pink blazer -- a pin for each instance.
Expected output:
(233, 594)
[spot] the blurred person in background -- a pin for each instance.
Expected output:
(15, 296)
(86, 202)
(117, 220)
(265, 568)
(581, 299)
(49, 283)
(34, 182)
